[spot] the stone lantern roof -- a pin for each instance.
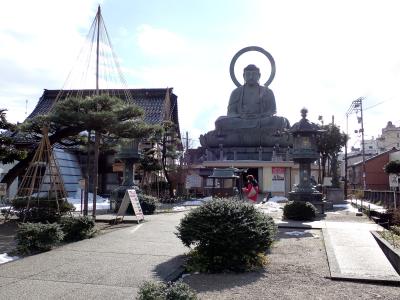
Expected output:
(304, 125)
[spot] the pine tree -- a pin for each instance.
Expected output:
(113, 118)
(329, 144)
(8, 151)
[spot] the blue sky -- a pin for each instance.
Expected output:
(327, 53)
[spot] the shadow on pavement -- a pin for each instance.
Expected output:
(7, 233)
(171, 269)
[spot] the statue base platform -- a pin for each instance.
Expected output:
(246, 153)
(245, 137)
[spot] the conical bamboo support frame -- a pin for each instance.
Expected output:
(42, 182)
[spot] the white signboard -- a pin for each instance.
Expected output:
(393, 181)
(3, 189)
(130, 197)
(278, 179)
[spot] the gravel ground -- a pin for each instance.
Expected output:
(297, 269)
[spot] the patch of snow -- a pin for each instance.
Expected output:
(278, 199)
(101, 203)
(179, 208)
(193, 203)
(347, 207)
(269, 206)
(6, 258)
(197, 202)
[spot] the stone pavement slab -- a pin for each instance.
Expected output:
(110, 266)
(353, 253)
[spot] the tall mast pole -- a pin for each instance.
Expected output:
(98, 17)
(97, 134)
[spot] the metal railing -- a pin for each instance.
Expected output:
(386, 199)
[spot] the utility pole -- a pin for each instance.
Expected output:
(356, 106)
(345, 157)
(187, 141)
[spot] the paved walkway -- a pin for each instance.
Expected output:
(113, 265)
(353, 253)
(110, 266)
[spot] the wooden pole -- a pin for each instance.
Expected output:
(97, 134)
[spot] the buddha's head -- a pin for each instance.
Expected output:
(251, 75)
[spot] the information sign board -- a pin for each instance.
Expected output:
(130, 197)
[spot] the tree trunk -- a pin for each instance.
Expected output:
(323, 163)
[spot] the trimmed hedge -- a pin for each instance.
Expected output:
(150, 290)
(41, 210)
(37, 237)
(299, 211)
(226, 235)
(148, 203)
(77, 228)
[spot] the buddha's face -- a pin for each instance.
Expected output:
(251, 77)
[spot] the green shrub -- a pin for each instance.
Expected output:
(226, 235)
(148, 203)
(41, 210)
(151, 290)
(299, 210)
(395, 217)
(392, 167)
(37, 237)
(77, 228)
(396, 230)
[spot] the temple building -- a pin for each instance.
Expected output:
(72, 161)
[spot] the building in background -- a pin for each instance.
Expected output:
(375, 176)
(390, 138)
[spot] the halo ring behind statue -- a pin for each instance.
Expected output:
(247, 49)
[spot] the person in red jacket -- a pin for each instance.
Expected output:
(251, 189)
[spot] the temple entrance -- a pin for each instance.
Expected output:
(252, 171)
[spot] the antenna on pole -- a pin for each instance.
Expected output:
(26, 107)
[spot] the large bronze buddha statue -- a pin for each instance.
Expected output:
(250, 119)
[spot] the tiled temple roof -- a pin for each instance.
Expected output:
(150, 100)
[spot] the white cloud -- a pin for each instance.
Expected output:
(40, 40)
(159, 41)
(327, 53)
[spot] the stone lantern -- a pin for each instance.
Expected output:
(129, 154)
(305, 152)
(224, 182)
